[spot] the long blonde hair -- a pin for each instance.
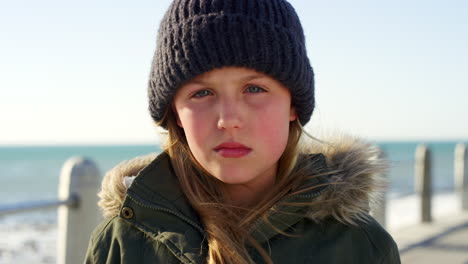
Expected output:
(227, 226)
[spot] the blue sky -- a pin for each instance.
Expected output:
(75, 72)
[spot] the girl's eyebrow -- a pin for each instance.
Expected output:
(245, 79)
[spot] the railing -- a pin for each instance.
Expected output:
(77, 208)
(423, 182)
(80, 179)
(73, 201)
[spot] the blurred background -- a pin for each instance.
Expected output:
(74, 77)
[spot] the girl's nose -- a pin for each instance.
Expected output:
(230, 116)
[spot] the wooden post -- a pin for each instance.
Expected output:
(79, 178)
(423, 180)
(379, 210)
(461, 174)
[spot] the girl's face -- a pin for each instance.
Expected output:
(236, 121)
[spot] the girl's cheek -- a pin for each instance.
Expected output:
(269, 107)
(191, 111)
(195, 119)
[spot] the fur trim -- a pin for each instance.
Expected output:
(356, 183)
(114, 187)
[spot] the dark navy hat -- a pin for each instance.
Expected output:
(197, 36)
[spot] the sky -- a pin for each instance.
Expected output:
(75, 72)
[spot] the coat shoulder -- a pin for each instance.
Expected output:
(381, 240)
(366, 242)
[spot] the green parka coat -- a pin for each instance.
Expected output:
(151, 222)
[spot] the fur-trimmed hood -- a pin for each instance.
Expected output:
(355, 187)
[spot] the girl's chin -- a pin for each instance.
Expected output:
(234, 178)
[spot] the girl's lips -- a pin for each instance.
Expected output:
(232, 150)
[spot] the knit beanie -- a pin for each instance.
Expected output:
(197, 36)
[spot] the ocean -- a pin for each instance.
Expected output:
(401, 156)
(31, 173)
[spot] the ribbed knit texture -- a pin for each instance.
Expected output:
(196, 36)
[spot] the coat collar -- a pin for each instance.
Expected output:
(293, 209)
(352, 187)
(158, 184)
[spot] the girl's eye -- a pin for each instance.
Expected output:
(255, 89)
(201, 93)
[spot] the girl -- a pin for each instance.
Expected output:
(236, 182)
